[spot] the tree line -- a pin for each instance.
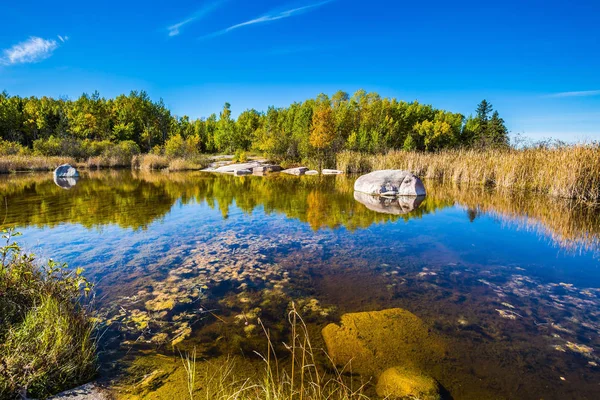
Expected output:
(313, 129)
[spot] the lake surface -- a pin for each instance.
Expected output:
(510, 282)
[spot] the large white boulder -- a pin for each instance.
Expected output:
(390, 182)
(66, 171)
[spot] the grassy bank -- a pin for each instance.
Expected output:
(569, 171)
(31, 163)
(46, 336)
(16, 163)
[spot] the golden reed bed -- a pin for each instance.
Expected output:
(569, 172)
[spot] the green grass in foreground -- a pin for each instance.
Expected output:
(46, 336)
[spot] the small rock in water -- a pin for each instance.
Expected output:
(295, 171)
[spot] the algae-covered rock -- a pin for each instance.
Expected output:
(403, 383)
(371, 342)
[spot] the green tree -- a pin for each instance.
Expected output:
(322, 133)
(225, 133)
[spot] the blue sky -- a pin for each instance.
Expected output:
(538, 62)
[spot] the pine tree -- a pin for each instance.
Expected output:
(497, 132)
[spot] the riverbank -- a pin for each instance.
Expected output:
(47, 339)
(28, 163)
(571, 172)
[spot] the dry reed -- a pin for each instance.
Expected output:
(302, 379)
(18, 163)
(569, 171)
(149, 162)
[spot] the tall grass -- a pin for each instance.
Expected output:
(187, 164)
(567, 171)
(149, 162)
(46, 335)
(14, 163)
(302, 378)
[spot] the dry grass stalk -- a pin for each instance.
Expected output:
(569, 171)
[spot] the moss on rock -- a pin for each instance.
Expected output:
(401, 383)
(370, 342)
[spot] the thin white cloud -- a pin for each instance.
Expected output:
(32, 50)
(175, 29)
(63, 38)
(583, 93)
(271, 16)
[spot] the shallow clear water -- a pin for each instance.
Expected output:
(510, 282)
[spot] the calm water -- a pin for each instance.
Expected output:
(510, 282)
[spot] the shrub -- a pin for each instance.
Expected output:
(8, 148)
(178, 147)
(54, 146)
(240, 156)
(46, 335)
(121, 154)
(92, 148)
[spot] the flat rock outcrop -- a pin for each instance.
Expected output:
(231, 168)
(266, 168)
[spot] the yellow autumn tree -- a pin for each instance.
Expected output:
(322, 133)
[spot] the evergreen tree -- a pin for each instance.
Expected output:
(497, 132)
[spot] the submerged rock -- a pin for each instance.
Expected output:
(370, 342)
(390, 182)
(389, 205)
(66, 171)
(295, 171)
(331, 172)
(406, 383)
(311, 172)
